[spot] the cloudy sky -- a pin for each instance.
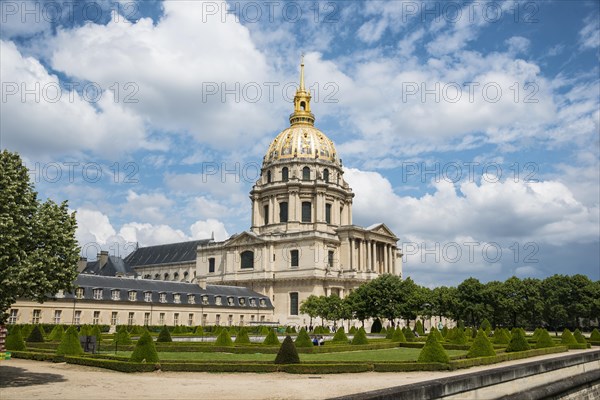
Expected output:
(470, 129)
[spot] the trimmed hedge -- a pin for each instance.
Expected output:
(458, 336)
(518, 342)
(303, 340)
(218, 367)
(567, 337)
(481, 347)
(165, 336)
(223, 340)
(36, 335)
(122, 337)
(287, 352)
(144, 350)
(544, 340)
(501, 336)
(122, 366)
(340, 336)
(15, 341)
(595, 336)
(56, 334)
(579, 337)
(398, 336)
(69, 344)
(360, 338)
(325, 368)
(410, 366)
(242, 337)
(271, 339)
(472, 362)
(433, 352)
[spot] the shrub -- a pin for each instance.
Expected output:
(579, 337)
(595, 336)
(501, 336)
(36, 335)
(376, 327)
(481, 347)
(224, 339)
(536, 333)
(485, 325)
(544, 340)
(445, 331)
(567, 337)
(340, 336)
(438, 335)
(473, 332)
(271, 338)
(518, 342)
(56, 333)
(408, 334)
(69, 344)
(144, 350)
(389, 333)
(242, 337)
(303, 340)
(398, 336)
(419, 328)
(264, 330)
(287, 352)
(122, 337)
(85, 330)
(352, 330)
(433, 352)
(164, 335)
(360, 337)
(199, 331)
(459, 336)
(15, 341)
(97, 333)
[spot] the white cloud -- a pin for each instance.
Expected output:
(150, 207)
(589, 35)
(518, 44)
(54, 120)
(206, 229)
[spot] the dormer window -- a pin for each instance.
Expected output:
(177, 298)
(252, 302)
(205, 300)
(97, 294)
(162, 297)
(148, 297)
(191, 299)
(263, 303)
(116, 294)
(218, 300)
(132, 295)
(230, 301)
(79, 293)
(242, 301)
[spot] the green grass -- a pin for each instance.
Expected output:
(394, 354)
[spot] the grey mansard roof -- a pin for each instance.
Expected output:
(172, 253)
(114, 266)
(241, 295)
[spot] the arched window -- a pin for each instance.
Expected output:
(326, 175)
(166, 276)
(306, 211)
(306, 174)
(268, 176)
(285, 174)
(176, 276)
(303, 105)
(247, 259)
(157, 276)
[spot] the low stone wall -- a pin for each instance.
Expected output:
(529, 380)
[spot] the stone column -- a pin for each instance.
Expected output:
(351, 242)
(369, 256)
(385, 258)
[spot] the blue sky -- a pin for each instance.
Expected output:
(471, 128)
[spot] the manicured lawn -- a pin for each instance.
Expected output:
(394, 354)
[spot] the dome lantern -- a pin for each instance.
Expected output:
(302, 114)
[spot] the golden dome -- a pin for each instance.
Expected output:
(301, 142)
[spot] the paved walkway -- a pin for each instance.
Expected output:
(25, 379)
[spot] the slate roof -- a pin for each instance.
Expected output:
(241, 296)
(172, 253)
(114, 266)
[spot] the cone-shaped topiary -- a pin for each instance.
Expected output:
(481, 347)
(264, 330)
(595, 336)
(288, 329)
(450, 334)
(69, 344)
(398, 336)
(242, 337)
(459, 337)
(122, 336)
(419, 328)
(303, 340)
(536, 333)
(383, 331)
(485, 325)
(409, 335)
(518, 342)
(473, 333)
(199, 331)
(287, 352)
(85, 330)
(360, 337)
(56, 333)
(224, 339)
(15, 341)
(433, 352)
(579, 337)
(36, 335)
(340, 336)
(144, 351)
(389, 333)
(164, 335)
(376, 327)
(352, 330)
(544, 340)
(501, 336)
(445, 331)
(567, 337)
(438, 335)
(271, 339)
(97, 333)
(26, 330)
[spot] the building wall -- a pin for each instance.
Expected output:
(106, 309)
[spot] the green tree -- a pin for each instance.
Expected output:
(38, 250)
(15, 341)
(470, 305)
(312, 307)
(69, 344)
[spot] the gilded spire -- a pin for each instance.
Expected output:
(302, 114)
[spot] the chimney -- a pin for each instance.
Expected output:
(81, 264)
(102, 259)
(202, 282)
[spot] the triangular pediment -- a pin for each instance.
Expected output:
(382, 229)
(244, 239)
